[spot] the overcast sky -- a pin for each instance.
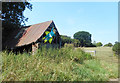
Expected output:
(98, 18)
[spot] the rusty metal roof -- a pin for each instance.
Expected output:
(30, 35)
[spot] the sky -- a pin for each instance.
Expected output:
(100, 19)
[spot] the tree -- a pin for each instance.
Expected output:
(109, 44)
(99, 44)
(65, 39)
(116, 48)
(84, 38)
(12, 17)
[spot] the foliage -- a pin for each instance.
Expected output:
(76, 42)
(84, 38)
(69, 45)
(90, 45)
(12, 17)
(99, 44)
(108, 45)
(56, 65)
(116, 48)
(69, 40)
(65, 39)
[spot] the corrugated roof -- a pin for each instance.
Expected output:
(33, 33)
(30, 35)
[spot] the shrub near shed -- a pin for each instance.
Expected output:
(116, 48)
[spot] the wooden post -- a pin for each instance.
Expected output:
(34, 48)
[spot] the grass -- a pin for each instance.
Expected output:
(65, 64)
(106, 56)
(104, 53)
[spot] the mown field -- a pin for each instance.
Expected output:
(104, 54)
(65, 64)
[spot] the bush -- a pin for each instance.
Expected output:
(52, 64)
(76, 42)
(99, 44)
(69, 45)
(65, 39)
(116, 48)
(90, 45)
(108, 45)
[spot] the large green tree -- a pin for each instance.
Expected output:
(12, 17)
(84, 38)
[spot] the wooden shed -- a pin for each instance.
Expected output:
(30, 38)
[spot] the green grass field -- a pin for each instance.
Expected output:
(104, 53)
(65, 64)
